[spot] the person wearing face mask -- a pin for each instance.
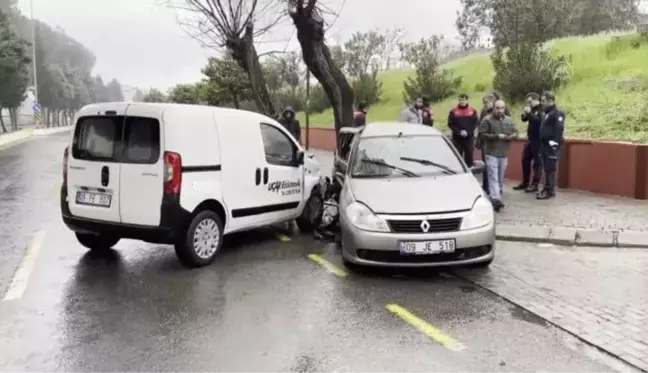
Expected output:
(552, 130)
(413, 113)
(290, 122)
(463, 120)
(531, 154)
(497, 132)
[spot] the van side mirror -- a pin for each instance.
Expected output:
(478, 168)
(299, 158)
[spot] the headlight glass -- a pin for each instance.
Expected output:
(363, 218)
(480, 215)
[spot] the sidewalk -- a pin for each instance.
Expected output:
(572, 218)
(13, 138)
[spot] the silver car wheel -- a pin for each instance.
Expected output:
(206, 238)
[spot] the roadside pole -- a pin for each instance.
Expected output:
(36, 105)
(307, 106)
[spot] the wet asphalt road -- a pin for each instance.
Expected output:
(263, 306)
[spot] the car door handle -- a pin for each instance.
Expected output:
(105, 175)
(257, 176)
(265, 175)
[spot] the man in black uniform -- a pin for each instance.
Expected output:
(531, 154)
(552, 129)
(290, 122)
(427, 117)
(463, 121)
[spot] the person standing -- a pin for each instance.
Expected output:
(552, 131)
(360, 115)
(487, 110)
(290, 122)
(413, 113)
(497, 132)
(531, 153)
(463, 121)
(427, 117)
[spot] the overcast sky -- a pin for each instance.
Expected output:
(140, 43)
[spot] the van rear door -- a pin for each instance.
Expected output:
(142, 166)
(93, 168)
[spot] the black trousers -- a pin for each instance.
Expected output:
(531, 158)
(466, 148)
(550, 158)
(485, 174)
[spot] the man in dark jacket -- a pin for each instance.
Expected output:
(427, 117)
(463, 121)
(290, 122)
(531, 154)
(552, 129)
(360, 115)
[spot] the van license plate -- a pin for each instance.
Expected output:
(93, 199)
(426, 247)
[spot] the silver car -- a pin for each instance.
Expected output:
(409, 200)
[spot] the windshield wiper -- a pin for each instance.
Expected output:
(446, 169)
(384, 164)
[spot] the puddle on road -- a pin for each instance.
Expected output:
(524, 315)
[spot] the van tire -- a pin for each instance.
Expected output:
(187, 250)
(97, 242)
(311, 217)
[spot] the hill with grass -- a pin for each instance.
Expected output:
(606, 97)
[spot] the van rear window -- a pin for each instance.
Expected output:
(113, 139)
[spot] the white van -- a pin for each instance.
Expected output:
(183, 175)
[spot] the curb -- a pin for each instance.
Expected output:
(565, 236)
(13, 138)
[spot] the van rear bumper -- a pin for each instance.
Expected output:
(173, 221)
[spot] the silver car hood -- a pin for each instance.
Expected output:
(417, 195)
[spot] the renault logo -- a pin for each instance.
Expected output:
(425, 226)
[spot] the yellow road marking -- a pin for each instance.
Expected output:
(328, 265)
(29, 131)
(21, 277)
(427, 329)
(283, 237)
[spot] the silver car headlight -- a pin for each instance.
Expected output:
(480, 215)
(363, 218)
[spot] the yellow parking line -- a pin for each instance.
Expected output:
(427, 329)
(283, 237)
(328, 265)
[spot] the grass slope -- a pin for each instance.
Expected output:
(607, 97)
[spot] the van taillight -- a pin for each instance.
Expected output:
(66, 153)
(172, 173)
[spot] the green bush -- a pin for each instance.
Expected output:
(367, 88)
(528, 68)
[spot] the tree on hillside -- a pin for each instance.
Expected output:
(429, 78)
(234, 25)
(309, 23)
(225, 82)
(14, 75)
(114, 91)
(138, 96)
(154, 95)
(100, 89)
(184, 94)
(363, 54)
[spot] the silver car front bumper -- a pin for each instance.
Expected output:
(381, 249)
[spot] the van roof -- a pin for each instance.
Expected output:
(376, 129)
(94, 109)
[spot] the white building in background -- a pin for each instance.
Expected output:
(25, 113)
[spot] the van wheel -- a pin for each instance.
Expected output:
(97, 242)
(311, 217)
(202, 241)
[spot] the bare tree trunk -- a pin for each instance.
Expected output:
(13, 119)
(244, 52)
(318, 59)
(2, 124)
(47, 112)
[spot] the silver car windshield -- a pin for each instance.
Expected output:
(405, 156)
